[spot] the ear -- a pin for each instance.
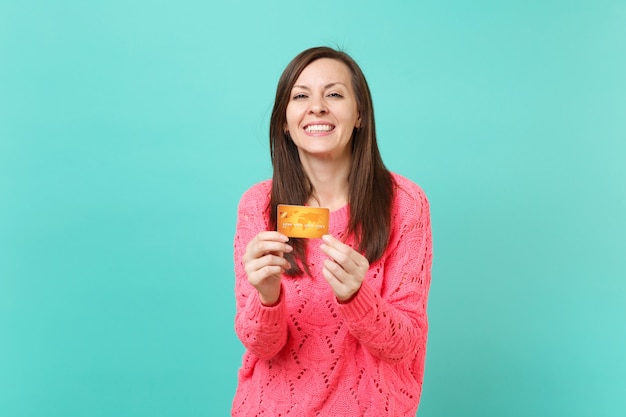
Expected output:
(358, 122)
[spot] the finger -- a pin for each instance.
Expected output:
(268, 265)
(262, 247)
(257, 248)
(332, 242)
(330, 277)
(341, 253)
(336, 270)
(271, 235)
(342, 258)
(267, 236)
(356, 257)
(343, 290)
(267, 260)
(259, 276)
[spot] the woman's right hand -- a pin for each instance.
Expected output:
(264, 264)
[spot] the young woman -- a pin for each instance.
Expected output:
(334, 326)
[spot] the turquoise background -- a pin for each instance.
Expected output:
(129, 130)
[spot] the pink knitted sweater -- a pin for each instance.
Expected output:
(311, 356)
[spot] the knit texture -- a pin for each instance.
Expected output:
(309, 355)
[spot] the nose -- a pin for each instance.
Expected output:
(318, 106)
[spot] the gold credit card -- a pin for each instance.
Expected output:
(302, 221)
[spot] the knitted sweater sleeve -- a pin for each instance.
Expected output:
(261, 329)
(392, 322)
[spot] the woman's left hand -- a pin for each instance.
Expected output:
(345, 269)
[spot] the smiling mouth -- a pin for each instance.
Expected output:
(319, 128)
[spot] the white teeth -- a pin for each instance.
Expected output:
(318, 128)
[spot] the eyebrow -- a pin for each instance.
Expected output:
(325, 87)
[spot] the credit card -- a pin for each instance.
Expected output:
(302, 221)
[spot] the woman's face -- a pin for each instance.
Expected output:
(322, 111)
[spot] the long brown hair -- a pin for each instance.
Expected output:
(370, 185)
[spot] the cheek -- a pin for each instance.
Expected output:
(293, 117)
(290, 116)
(351, 119)
(349, 114)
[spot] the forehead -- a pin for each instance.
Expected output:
(324, 71)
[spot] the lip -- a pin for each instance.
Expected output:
(320, 133)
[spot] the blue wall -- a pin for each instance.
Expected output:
(129, 129)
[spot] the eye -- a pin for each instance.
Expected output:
(335, 95)
(299, 96)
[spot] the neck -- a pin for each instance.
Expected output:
(330, 182)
